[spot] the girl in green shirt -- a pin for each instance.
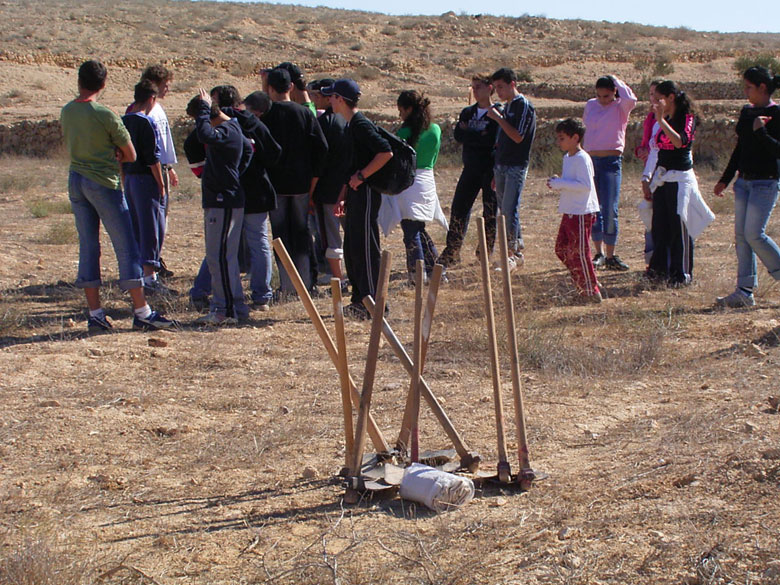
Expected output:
(419, 203)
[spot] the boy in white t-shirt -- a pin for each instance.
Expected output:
(578, 206)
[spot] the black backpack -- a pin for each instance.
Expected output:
(398, 174)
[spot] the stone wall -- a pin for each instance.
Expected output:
(713, 145)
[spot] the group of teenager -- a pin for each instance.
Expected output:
(301, 156)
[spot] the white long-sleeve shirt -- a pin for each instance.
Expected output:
(652, 157)
(578, 191)
(167, 150)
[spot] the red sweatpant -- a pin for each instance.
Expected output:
(573, 248)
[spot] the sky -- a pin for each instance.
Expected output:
(701, 15)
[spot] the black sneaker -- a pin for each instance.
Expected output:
(99, 324)
(156, 287)
(200, 304)
(357, 312)
(615, 263)
(163, 271)
(153, 322)
(598, 260)
(449, 257)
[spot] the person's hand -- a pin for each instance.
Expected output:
(760, 122)
(658, 109)
(642, 152)
(494, 114)
(204, 95)
(720, 187)
(646, 193)
(339, 209)
(550, 180)
(354, 182)
(173, 177)
(493, 183)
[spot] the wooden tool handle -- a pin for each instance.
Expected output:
(371, 358)
(491, 326)
(517, 390)
(380, 444)
(343, 369)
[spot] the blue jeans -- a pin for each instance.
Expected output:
(509, 193)
(419, 245)
(147, 210)
(256, 236)
(92, 204)
(607, 174)
(753, 204)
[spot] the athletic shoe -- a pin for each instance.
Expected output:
(595, 298)
(511, 263)
(200, 303)
(598, 260)
(153, 322)
(357, 312)
(261, 306)
(736, 300)
(214, 318)
(163, 271)
(615, 263)
(99, 324)
(156, 287)
(449, 257)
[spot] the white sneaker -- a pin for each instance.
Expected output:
(511, 264)
(215, 319)
(736, 300)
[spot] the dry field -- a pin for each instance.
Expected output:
(208, 456)
(211, 459)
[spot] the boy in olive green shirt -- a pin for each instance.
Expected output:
(96, 140)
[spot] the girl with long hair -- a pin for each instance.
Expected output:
(679, 212)
(419, 203)
(755, 158)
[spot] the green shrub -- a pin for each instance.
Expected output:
(43, 208)
(762, 59)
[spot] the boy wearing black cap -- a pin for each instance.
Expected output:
(294, 177)
(369, 153)
(228, 155)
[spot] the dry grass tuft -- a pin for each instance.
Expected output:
(36, 562)
(44, 208)
(60, 233)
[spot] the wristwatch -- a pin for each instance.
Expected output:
(360, 176)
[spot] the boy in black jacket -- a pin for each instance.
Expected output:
(331, 184)
(294, 177)
(369, 152)
(477, 133)
(228, 154)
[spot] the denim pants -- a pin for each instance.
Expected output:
(753, 204)
(256, 236)
(147, 210)
(92, 204)
(509, 193)
(607, 174)
(419, 245)
(289, 223)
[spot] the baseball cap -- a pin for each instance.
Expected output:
(346, 88)
(318, 84)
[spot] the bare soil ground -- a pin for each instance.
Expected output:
(208, 455)
(186, 463)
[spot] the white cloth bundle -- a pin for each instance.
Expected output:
(419, 202)
(438, 490)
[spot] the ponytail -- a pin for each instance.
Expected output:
(420, 117)
(759, 75)
(683, 105)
